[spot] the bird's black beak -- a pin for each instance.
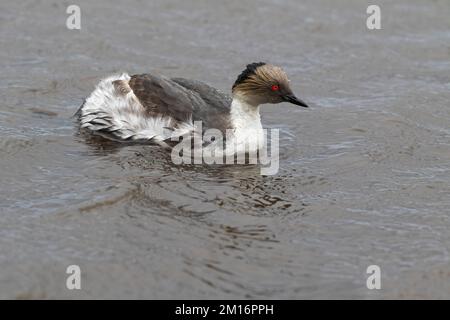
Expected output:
(294, 100)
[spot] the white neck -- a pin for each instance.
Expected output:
(244, 115)
(246, 121)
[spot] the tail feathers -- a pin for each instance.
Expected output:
(112, 109)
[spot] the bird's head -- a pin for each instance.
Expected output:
(263, 83)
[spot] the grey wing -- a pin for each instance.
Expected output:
(216, 112)
(157, 109)
(163, 97)
(213, 97)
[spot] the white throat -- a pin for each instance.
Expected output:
(244, 115)
(246, 123)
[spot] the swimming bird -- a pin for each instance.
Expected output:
(157, 109)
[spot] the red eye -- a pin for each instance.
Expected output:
(275, 87)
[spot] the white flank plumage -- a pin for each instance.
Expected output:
(112, 112)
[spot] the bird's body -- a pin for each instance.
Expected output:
(157, 109)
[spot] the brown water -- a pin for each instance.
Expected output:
(364, 175)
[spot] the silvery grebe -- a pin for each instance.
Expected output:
(156, 109)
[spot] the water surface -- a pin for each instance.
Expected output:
(364, 175)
